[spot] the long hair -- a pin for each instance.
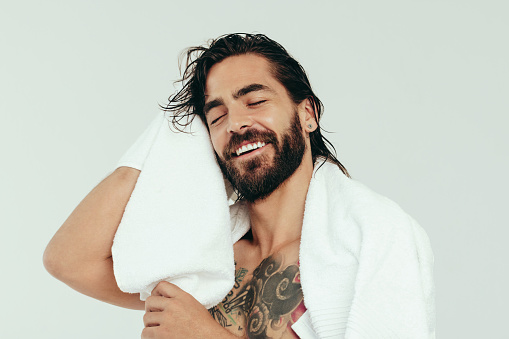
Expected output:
(190, 100)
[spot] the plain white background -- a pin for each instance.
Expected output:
(415, 93)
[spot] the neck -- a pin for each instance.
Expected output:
(276, 221)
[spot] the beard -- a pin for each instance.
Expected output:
(258, 177)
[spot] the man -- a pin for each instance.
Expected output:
(263, 121)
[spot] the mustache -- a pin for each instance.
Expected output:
(251, 135)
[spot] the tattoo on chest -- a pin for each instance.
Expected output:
(219, 317)
(266, 302)
(215, 311)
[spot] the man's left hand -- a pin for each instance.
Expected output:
(173, 313)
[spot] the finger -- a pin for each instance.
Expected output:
(148, 333)
(166, 289)
(156, 303)
(152, 319)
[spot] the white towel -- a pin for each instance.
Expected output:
(366, 266)
(176, 225)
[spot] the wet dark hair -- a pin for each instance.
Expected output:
(190, 100)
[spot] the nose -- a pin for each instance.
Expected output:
(239, 120)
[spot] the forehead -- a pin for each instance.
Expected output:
(237, 71)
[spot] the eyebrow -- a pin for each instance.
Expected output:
(236, 95)
(251, 88)
(211, 104)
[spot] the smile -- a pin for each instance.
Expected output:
(249, 147)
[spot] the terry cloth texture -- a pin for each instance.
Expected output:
(366, 266)
(176, 225)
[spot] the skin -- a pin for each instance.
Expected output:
(173, 313)
(79, 254)
(266, 299)
(276, 221)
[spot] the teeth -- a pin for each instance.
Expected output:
(249, 147)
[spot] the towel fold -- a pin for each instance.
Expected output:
(366, 267)
(176, 225)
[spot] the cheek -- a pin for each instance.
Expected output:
(272, 119)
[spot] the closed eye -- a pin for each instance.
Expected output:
(215, 120)
(250, 105)
(257, 103)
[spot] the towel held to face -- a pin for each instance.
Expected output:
(176, 225)
(366, 266)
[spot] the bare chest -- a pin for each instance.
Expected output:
(265, 301)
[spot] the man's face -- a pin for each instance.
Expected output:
(246, 106)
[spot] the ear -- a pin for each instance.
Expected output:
(307, 111)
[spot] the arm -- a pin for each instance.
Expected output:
(79, 254)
